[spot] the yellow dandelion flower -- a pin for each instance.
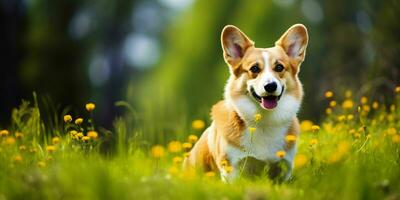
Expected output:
(10, 140)
(55, 140)
(78, 121)
(22, 148)
(315, 128)
(157, 151)
(390, 118)
(252, 129)
(392, 131)
(50, 148)
(67, 118)
(257, 117)
(41, 164)
(332, 103)
(328, 111)
(85, 138)
(350, 117)
(348, 93)
(300, 160)
(73, 133)
(357, 135)
(313, 142)
(4, 132)
(174, 146)
(228, 169)
(397, 89)
(224, 163)
(328, 94)
(17, 158)
(366, 108)
(198, 124)
(396, 138)
(306, 125)
(192, 139)
(280, 154)
(19, 135)
(347, 104)
(177, 160)
(93, 135)
(79, 135)
(341, 118)
(90, 107)
(343, 147)
(290, 138)
(209, 174)
(364, 100)
(352, 131)
(375, 105)
(187, 146)
(392, 107)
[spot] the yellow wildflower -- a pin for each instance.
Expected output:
(257, 117)
(41, 164)
(228, 169)
(348, 93)
(328, 94)
(19, 135)
(85, 138)
(357, 135)
(328, 111)
(157, 151)
(78, 121)
(174, 147)
(392, 131)
(364, 100)
(315, 128)
(209, 174)
(90, 107)
(392, 107)
(252, 129)
(347, 104)
(332, 103)
(186, 154)
(93, 135)
(32, 150)
(313, 142)
(17, 158)
(290, 138)
(173, 170)
(187, 146)
(10, 140)
(366, 108)
(280, 154)
(73, 133)
(397, 89)
(22, 148)
(79, 135)
(341, 118)
(352, 131)
(224, 163)
(67, 118)
(300, 160)
(350, 117)
(198, 124)
(192, 139)
(306, 125)
(50, 148)
(177, 160)
(55, 140)
(375, 105)
(396, 138)
(4, 132)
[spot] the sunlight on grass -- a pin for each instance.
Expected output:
(352, 154)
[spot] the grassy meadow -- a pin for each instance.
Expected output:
(353, 153)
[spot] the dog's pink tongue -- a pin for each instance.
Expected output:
(268, 103)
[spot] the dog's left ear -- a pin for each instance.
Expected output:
(235, 44)
(294, 42)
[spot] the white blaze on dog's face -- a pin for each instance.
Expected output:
(265, 73)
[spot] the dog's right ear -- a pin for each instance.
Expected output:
(234, 43)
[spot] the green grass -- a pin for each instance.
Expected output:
(355, 155)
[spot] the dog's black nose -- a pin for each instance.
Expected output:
(270, 87)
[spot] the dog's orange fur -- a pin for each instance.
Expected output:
(228, 127)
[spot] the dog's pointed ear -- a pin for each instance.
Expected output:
(294, 42)
(234, 43)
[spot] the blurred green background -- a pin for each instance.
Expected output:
(164, 57)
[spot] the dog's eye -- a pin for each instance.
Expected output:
(255, 68)
(279, 68)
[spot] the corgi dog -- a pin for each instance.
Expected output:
(258, 117)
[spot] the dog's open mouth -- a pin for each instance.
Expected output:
(267, 102)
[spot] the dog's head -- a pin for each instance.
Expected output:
(265, 73)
